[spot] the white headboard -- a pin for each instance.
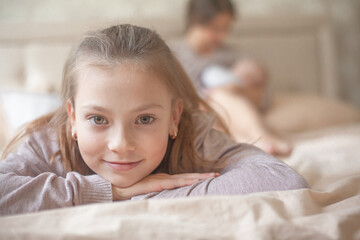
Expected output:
(298, 52)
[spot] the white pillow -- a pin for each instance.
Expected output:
(19, 108)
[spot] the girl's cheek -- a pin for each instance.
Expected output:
(158, 147)
(89, 143)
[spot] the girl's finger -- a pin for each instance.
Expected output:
(195, 175)
(179, 182)
(157, 185)
(161, 181)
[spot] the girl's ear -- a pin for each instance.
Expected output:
(71, 112)
(177, 111)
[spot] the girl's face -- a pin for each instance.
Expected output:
(123, 118)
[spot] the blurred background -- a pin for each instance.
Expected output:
(343, 16)
(310, 46)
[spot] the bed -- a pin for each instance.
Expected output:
(324, 130)
(328, 159)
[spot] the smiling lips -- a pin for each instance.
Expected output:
(122, 166)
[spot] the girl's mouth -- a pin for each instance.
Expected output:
(118, 166)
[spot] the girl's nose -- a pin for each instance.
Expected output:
(121, 142)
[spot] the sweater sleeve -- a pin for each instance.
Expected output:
(29, 182)
(248, 170)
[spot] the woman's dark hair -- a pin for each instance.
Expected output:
(203, 11)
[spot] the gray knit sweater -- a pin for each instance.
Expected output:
(29, 182)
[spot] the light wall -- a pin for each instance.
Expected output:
(344, 15)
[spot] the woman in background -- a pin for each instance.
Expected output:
(236, 87)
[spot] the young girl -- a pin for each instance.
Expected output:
(130, 128)
(236, 86)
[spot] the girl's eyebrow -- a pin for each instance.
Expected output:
(95, 107)
(138, 109)
(147, 106)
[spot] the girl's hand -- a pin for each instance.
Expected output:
(158, 182)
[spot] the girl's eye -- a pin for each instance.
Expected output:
(97, 120)
(145, 120)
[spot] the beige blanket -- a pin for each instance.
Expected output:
(329, 160)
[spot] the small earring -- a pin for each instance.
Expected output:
(74, 135)
(173, 136)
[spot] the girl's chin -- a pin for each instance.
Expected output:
(123, 182)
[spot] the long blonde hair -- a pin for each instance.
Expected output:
(109, 47)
